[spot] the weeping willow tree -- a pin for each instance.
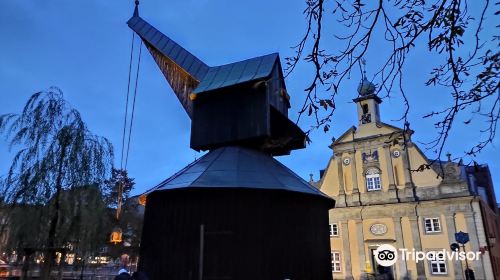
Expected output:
(26, 231)
(85, 222)
(54, 152)
(83, 227)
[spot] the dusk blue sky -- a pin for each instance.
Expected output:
(83, 48)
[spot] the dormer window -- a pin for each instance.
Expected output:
(372, 177)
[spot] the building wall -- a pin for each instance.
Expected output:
(491, 232)
(406, 229)
(412, 188)
(282, 236)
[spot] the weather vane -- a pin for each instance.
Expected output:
(363, 67)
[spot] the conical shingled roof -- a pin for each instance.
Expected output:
(238, 167)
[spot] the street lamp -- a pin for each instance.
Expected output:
(116, 235)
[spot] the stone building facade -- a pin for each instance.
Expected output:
(382, 199)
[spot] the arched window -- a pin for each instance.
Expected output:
(372, 177)
(365, 108)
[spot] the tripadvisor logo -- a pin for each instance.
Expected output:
(387, 255)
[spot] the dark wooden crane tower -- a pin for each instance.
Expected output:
(235, 213)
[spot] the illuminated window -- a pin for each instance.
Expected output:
(372, 176)
(432, 225)
(437, 263)
(334, 230)
(70, 258)
(336, 261)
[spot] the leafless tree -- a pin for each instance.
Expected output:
(468, 70)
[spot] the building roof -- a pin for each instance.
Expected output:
(237, 73)
(366, 87)
(169, 48)
(209, 78)
(238, 167)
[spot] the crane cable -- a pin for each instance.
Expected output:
(133, 104)
(126, 102)
(126, 123)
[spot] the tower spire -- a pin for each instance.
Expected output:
(363, 68)
(367, 100)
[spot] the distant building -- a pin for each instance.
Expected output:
(380, 201)
(75, 213)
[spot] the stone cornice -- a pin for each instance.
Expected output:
(447, 207)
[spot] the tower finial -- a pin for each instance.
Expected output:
(136, 9)
(311, 179)
(363, 67)
(365, 87)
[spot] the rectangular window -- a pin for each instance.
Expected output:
(377, 183)
(432, 225)
(373, 183)
(336, 261)
(437, 263)
(334, 230)
(372, 177)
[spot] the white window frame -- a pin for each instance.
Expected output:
(372, 178)
(439, 264)
(334, 230)
(434, 225)
(336, 261)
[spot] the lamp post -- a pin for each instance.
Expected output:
(116, 233)
(462, 238)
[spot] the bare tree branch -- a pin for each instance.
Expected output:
(469, 71)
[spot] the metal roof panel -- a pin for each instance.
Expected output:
(266, 67)
(250, 70)
(174, 52)
(182, 57)
(155, 39)
(167, 46)
(238, 167)
(211, 78)
(220, 78)
(146, 30)
(202, 70)
(133, 21)
(186, 64)
(207, 80)
(162, 43)
(238, 72)
(235, 74)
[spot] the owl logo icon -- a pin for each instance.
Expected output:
(386, 255)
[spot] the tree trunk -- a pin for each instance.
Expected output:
(50, 252)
